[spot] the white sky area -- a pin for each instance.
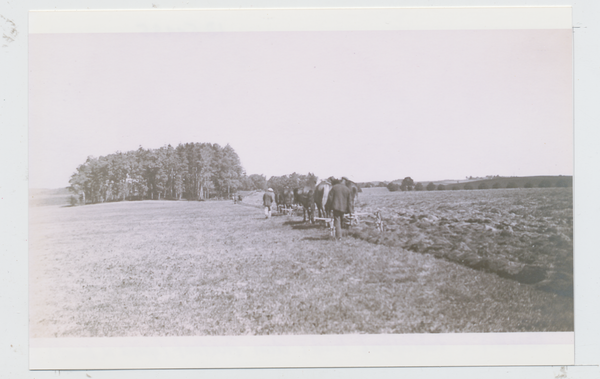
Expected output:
(380, 105)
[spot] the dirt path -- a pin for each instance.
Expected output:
(214, 268)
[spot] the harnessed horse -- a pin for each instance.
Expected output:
(321, 194)
(306, 196)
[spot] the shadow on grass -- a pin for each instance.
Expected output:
(302, 226)
(322, 238)
(250, 205)
(292, 223)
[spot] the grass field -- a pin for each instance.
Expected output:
(160, 268)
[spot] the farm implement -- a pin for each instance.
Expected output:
(352, 220)
(288, 209)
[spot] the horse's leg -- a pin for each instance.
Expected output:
(326, 211)
(323, 199)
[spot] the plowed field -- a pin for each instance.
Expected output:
(521, 234)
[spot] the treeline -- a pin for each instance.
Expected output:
(192, 171)
(291, 181)
(408, 184)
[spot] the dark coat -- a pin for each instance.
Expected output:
(268, 199)
(340, 199)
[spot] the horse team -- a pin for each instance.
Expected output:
(313, 197)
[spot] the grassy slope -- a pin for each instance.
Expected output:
(215, 268)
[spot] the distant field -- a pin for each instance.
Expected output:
(504, 182)
(177, 268)
(45, 197)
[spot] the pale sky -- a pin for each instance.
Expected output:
(377, 105)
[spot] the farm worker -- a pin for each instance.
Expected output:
(340, 201)
(268, 199)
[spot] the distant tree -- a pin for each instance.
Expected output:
(483, 186)
(227, 178)
(205, 167)
(245, 183)
(407, 184)
(430, 186)
(455, 188)
(310, 178)
(295, 180)
(257, 182)
(496, 185)
(441, 187)
(278, 183)
(468, 186)
(419, 187)
(562, 183)
(528, 185)
(512, 185)
(545, 184)
(393, 187)
(382, 184)
(73, 200)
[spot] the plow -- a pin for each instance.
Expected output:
(352, 220)
(289, 209)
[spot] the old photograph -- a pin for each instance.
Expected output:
(300, 182)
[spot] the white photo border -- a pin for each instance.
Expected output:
(489, 349)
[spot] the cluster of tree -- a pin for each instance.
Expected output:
(191, 171)
(482, 177)
(254, 182)
(407, 184)
(372, 184)
(294, 180)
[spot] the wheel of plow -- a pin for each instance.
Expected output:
(350, 221)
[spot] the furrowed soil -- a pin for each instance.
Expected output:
(160, 268)
(522, 234)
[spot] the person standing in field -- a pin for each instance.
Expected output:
(339, 201)
(268, 200)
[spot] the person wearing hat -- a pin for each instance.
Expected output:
(268, 200)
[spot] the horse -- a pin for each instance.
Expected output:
(321, 194)
(285, 198)
(306, 196)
